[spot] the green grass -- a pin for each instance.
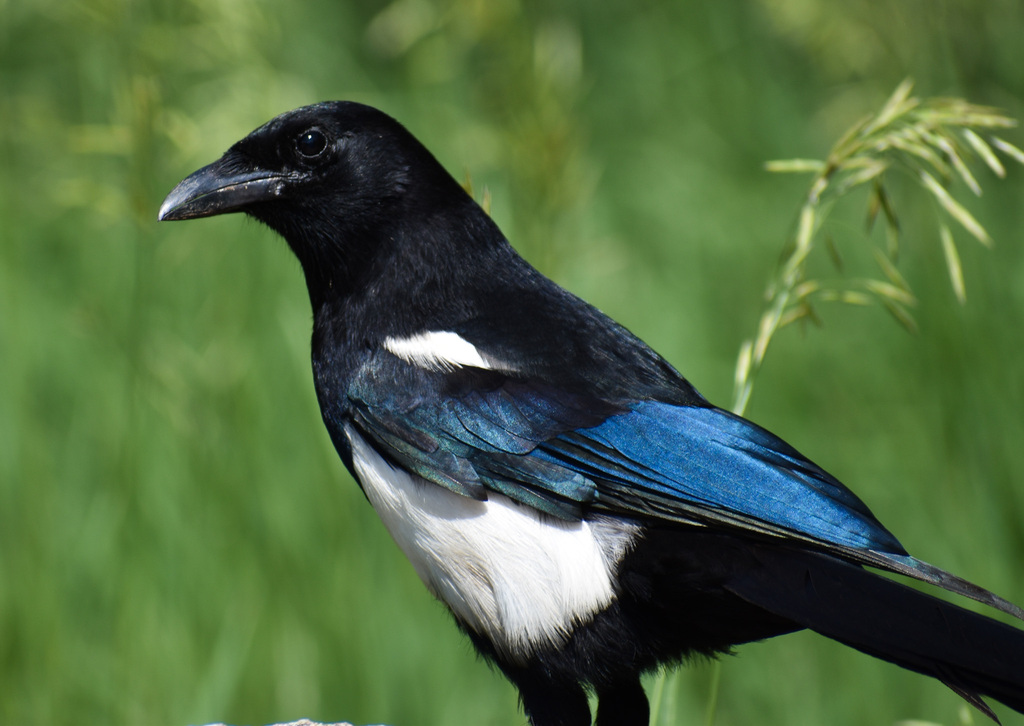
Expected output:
(178, 541)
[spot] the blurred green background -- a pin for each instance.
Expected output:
(179, 543)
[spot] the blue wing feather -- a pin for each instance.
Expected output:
(698, 458)
(472, 431)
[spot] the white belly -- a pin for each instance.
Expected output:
(511, 573)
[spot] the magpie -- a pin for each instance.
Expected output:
(583, 512)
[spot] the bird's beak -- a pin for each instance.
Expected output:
(215, 189)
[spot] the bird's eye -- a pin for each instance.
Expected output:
(311, 143)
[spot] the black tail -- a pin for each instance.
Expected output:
(972, 654)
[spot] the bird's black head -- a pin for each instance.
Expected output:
(332, 178)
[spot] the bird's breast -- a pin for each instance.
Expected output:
(510, 573)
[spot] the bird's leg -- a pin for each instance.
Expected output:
(623, 703)
(550, 702)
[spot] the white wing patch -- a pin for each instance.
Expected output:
(437, 350)
(507, 571)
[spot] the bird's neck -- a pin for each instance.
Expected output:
(406, 277)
